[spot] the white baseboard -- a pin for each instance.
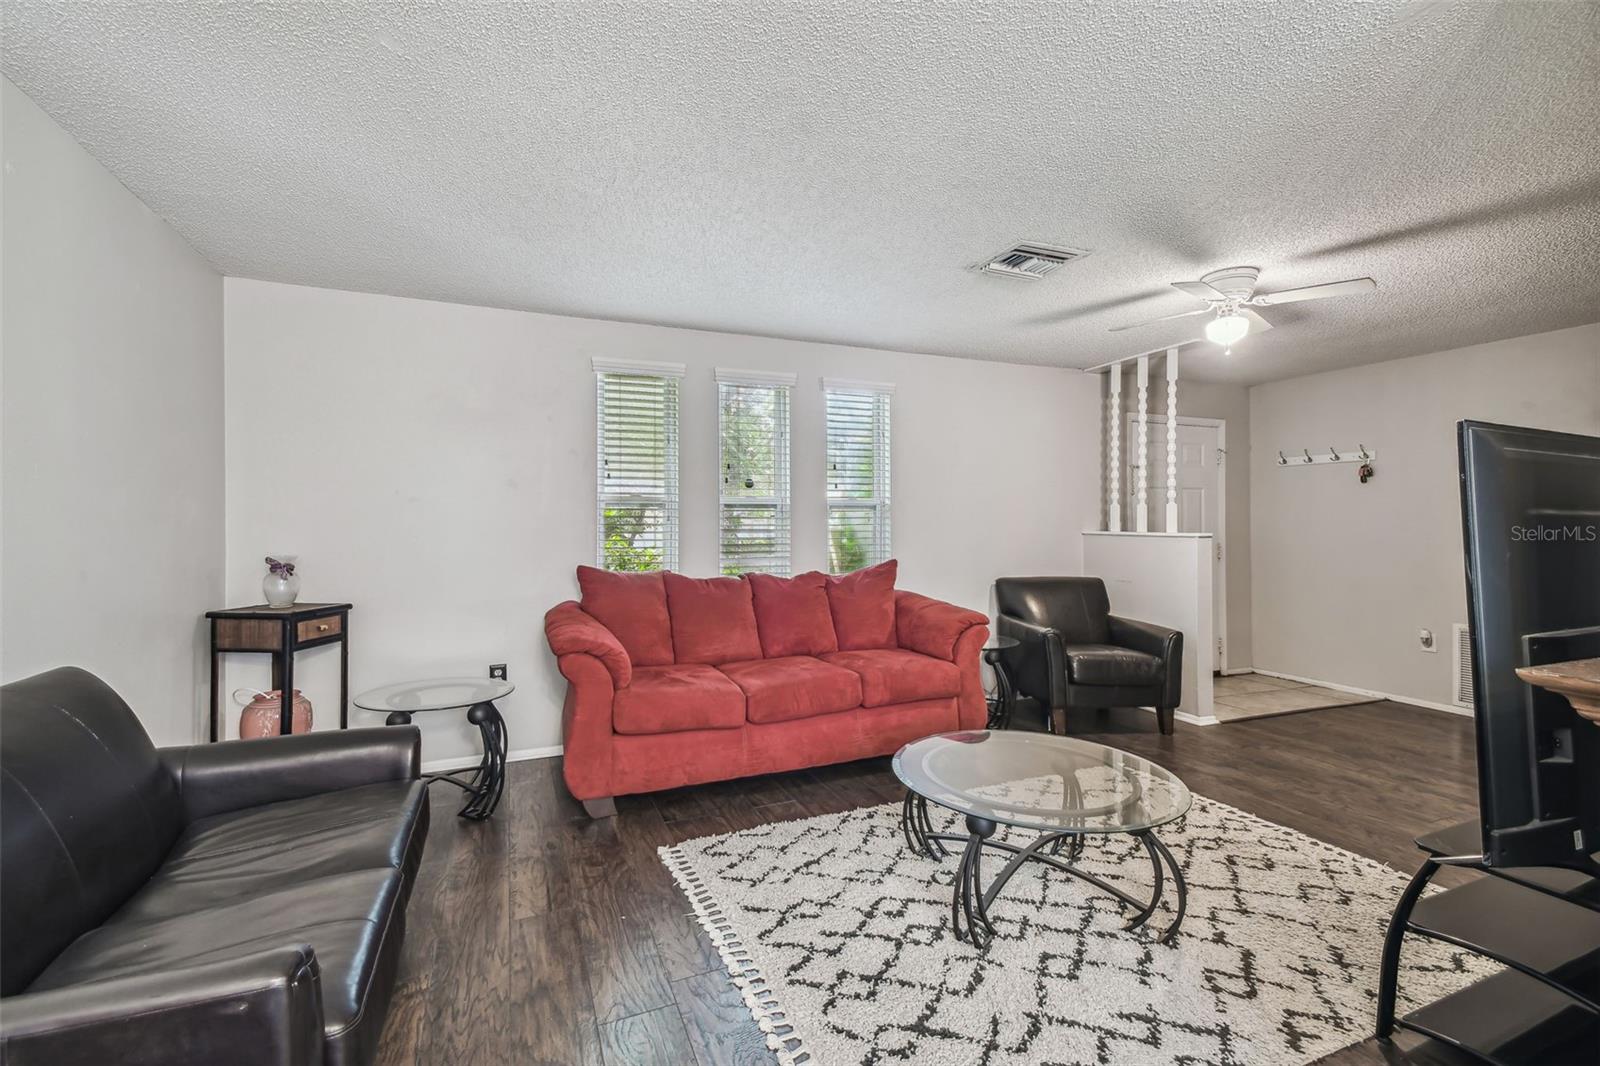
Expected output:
(436, 766)
(1235, 671)
(1192, 719)
(1448, 708)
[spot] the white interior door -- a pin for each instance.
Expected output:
(1199, 494)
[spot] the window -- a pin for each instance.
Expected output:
(636, 500)
(858, 473)
(753, 426)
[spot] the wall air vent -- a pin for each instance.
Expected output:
(1461, 693)
(1029, 262)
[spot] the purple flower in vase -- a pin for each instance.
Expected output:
(280, 568)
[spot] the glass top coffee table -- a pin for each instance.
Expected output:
(1063, 788)
(475, 695)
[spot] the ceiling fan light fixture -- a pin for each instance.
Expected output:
(1227, 329)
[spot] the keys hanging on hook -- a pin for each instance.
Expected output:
(1364, 472)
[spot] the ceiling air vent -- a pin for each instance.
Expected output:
(1461, 688)
(1028, 261)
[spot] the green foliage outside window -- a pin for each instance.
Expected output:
(845, 550)
(623, 531)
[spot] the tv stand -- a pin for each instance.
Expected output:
(1542, 923)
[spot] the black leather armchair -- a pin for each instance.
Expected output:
(1075, 653)
(240, 902)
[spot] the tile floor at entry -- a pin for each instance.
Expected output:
(1257, 695)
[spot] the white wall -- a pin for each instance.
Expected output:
(1344, 574)
(112, 431)
(434, 465)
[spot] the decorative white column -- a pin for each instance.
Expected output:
(1142, 505)
(1172, 440)
(1114, 427)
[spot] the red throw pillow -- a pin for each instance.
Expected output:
(712, 619)
(634, 608)
(792, 614)
(862, 604)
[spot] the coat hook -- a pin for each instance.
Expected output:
(1308, 455)
(1281, 460)
(1364, 455)
(1333, 453)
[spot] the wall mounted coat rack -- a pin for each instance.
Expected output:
(1313, 457)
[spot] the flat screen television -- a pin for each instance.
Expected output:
(1530, 504)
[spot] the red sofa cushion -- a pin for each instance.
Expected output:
(713, 619)
(862, 605)
(797, 686)
(898, 676)
(671, 699)
(792, 614)
(634, 608)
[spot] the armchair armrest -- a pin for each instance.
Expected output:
(1041, 659)
(261, 1009)
(571, 630)
(932, 627)
(234, 774)
(1165, 644)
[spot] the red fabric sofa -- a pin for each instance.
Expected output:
(675, 680)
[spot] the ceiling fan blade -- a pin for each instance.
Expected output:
(1315, 292)
(1257, 323)
(1199, 290)
(1163, 318)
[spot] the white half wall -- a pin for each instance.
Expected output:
(112, 431)
(1166, 579)
(433, 464)
(1344, 574)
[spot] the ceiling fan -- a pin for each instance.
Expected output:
(1231, 297)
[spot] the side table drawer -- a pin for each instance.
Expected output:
(248, 634)
(318, 628)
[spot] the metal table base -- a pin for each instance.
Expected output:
(488, 779)
(970, 902)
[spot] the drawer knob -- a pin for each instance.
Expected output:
(322, 628)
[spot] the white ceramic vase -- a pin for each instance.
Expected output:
(281, 590)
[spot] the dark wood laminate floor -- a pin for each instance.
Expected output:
(545, 937)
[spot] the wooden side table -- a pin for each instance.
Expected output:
(280, 632)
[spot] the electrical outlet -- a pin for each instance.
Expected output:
(497, 672)
(1425, 640)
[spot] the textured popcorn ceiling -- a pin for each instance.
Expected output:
(826, 170)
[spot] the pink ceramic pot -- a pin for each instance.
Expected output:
(262, 715)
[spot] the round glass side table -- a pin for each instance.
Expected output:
(475, 695)
(1005, 700)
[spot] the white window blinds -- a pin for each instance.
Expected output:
(753, 428)
(636, 518)
(858, 474)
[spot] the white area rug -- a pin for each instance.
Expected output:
(840, 941)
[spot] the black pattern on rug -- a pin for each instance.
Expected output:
(840, 940)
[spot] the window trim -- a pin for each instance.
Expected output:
(782, 502)
(881, 503)
(671, 500)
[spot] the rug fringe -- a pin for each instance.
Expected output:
(759, 998)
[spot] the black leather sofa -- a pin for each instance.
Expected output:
(239, 903)
(1075, 653)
